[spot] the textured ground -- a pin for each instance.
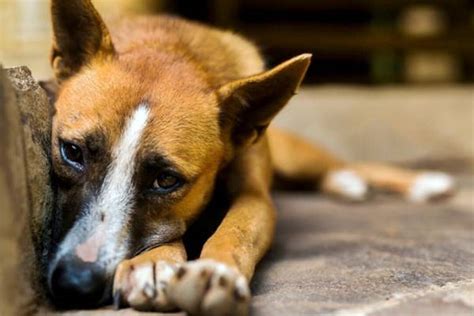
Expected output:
(373, 258)
(383, 257)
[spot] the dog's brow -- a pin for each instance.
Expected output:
(95, 140)
(158, 160)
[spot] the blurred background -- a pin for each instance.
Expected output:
(353, 41)
(390, 80)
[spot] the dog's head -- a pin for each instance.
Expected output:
(138, 140)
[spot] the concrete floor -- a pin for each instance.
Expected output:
(385, 256)
(382, 257)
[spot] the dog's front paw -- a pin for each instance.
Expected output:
(142, 284)
(207, 287)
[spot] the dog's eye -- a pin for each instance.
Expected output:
(72, 154)
(166, 182)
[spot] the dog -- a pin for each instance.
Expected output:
(160, 124)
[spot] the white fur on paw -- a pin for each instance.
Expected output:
(430, 185)
(143, 286)
(208, 287)
(347, 184)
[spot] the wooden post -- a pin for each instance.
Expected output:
(25, 192)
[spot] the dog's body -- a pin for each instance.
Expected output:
(154, 122)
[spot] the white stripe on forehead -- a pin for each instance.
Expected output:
(109, 212)
(116, 194)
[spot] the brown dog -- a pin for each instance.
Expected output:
(156, 122)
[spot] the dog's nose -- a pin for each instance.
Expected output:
(74, 282)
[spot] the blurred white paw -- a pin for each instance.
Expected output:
(429, 186)
(346, 184)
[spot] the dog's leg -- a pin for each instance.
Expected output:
(296, 161)
(416, 186)
(217, 283)
(141, 282)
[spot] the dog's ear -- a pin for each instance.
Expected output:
(248, 105)
(79, 35)
(51, 88)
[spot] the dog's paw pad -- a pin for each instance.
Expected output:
(210, 288)
(346, 184)
(430, 186)
(143, 285)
